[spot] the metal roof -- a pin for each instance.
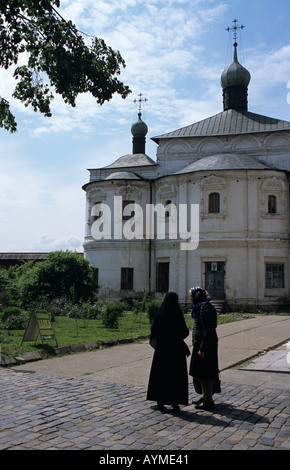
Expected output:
(123, 175)
(25, 255)
(224, 162)
(132, 159)
(229, 122)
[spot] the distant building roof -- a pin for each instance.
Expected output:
(229, 122)
(14, 258)
(23, 256)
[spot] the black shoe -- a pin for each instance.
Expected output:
(175, 408)
(197, 402)
(160, 407)
(206, 405)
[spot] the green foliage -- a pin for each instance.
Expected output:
(91, 311)
(152, 308)
(149, 306)
(63, 275)
(111, 312)
(58, 59)
(137, 306)
(4, 287)
(10, 311)
(14, 318)
(16, 322)
(7, 120)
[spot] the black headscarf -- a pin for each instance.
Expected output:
(169, 319)
(198, 295)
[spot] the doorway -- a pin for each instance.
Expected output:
(215, 279)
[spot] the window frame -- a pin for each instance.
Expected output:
(274, 275)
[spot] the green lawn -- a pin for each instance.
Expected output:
(69, 331)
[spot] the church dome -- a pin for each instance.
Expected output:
(139, 128)
(235, 74)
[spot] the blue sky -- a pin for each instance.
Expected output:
(175, 52)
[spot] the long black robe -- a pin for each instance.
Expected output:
(168, 381)
(204, 338)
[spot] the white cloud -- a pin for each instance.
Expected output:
(47, 243)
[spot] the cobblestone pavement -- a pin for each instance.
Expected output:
(43, 412)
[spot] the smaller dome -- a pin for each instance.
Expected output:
(235, 74)
(139, 128)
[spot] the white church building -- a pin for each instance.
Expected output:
(220, 192)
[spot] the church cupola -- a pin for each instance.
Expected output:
(234, 81)
(139, 130)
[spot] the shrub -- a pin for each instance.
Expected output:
(137, 306)
(91, 311)
(9, 312)
(152, 308)
(111, 313)
(16, 322)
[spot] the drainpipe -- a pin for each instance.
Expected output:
(150, 244)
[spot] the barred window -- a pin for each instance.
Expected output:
(214, 203)
(275, 276)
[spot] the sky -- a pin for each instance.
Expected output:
(175, 52)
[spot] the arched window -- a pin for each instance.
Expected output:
(167, 213)
(272, 206)
(214, 203)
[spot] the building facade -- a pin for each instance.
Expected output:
(234, 168)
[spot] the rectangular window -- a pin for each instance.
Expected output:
(96, 275)
(162, 277)
(127, 275)
(275, 276)
(214, 203)
(272, 205)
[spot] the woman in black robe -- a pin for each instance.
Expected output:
(168, 381)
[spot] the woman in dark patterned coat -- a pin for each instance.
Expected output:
(204, 359)
(168, 381)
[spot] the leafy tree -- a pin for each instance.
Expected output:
(57, 58)
(9, 293)
(62, 274)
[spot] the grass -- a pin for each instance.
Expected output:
(70, 331)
